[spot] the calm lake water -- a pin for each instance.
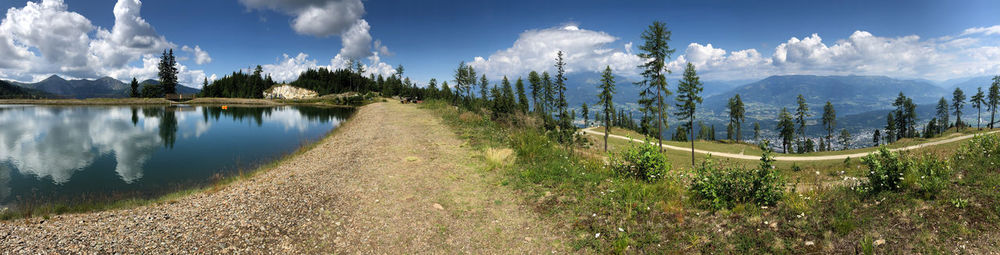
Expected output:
(64, 154)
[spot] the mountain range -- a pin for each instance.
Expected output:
(106, 87)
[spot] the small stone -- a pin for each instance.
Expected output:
(810, 243)
(527, 239)
(879, 242)
(438, 206)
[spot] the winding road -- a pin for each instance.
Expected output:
(790, 158)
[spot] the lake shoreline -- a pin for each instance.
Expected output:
(161, 101)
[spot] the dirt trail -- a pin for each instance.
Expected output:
(788, 158)
(391, 180)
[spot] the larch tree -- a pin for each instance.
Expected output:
(586, 113)
(688, 98)
(565, 122)
(606, 96)
(845, 138)
(535, 83)
(484, 86)
(656, 51)
(957, 103)
(890, 128)
(829, 123)
(756, 131)
(978, 101)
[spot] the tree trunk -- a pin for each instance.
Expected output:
(659, 116)
(691, 128)
(606, 131)
(979, 118)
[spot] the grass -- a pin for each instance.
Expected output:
(821, 212)
(48, 209)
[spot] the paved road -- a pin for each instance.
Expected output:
(787, 158)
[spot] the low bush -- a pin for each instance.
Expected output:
(926, 176)
(641, 161)
(724, 188)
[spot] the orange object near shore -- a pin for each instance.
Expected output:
(225, 107)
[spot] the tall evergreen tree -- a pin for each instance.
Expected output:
(565, 122)
(586, 112)
(829, 122)
(168, 72)
(135, 88)
(957, 102)
(550, 96)
(736, 116)
(978, 101)
(786, 129)
(688, 98)
(993, 99)
(942, 115)
(445, 92)
(845, 138)
(522, 99)
(801, 113)
(656, 51)
(484, 86)
(756, 131)
(606, 96)
(876, 137)
(890, 128)
(535, 81)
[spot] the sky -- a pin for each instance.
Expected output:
(725, 40)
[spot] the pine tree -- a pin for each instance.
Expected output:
(168, 72)
(736, 112)
(688, 98)
(586, 111)
(756, 131)
(800, 118)
(993, 99)
(978, 101)
(890, 128)
(535, 81)
(876, 137)
(786, 129)
(606, 96)
(565, 123)
(657, 51)
(845, 138)
(957, 102)
(135, 88)
(829, 122)
(522, 99)
(942, 115)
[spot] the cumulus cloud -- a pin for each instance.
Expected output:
(200, 57)
(862, 53)
(287, 68)
(44, 38)
(324, 18)
(584, 50)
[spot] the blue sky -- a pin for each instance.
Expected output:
(935, 40)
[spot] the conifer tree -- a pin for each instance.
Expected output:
(993, 99)
(756, 131)
(786, 129)
(736, 112)
(657, 51)
(942, 115)
(957, 102)
(168, 72)
(801, 113)
(535, 81)
(829, 123)
(978, 101)
(522, 99)
(135, 88)
(688, 98)
(606, 96)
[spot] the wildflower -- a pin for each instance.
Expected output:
(598, 235)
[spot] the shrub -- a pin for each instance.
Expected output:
(980, 156)
(643, 161)
(889, 171)
(725, 188)
(885, 171)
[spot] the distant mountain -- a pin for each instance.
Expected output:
(970, 85)
(105, 87)
(11, 91)
(849, 94)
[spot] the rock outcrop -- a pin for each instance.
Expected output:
(285, 91)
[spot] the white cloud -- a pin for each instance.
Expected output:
(200, 57)
(994, 30)
(862, 53)
(323, 18)
(585, 50)
(44, 38)
(287, 69)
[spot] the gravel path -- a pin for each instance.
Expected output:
(600, 133)
(391, 180)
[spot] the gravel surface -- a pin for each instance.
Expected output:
(391, 180)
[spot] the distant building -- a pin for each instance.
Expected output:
(285, 91)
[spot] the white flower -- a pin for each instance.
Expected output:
(597, 235)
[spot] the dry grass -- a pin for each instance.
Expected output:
(469, 117)
(499, 156)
